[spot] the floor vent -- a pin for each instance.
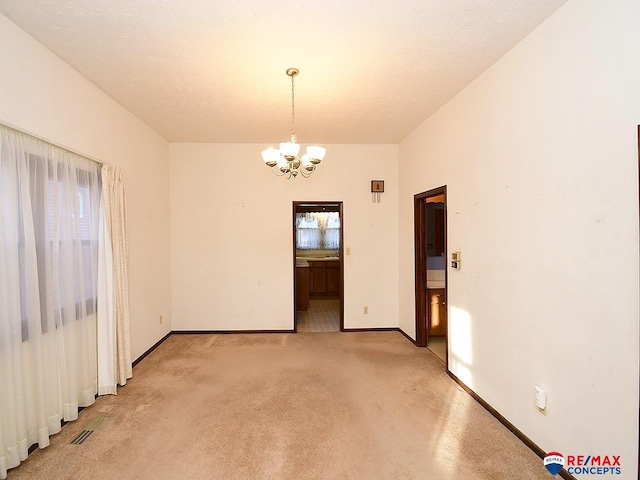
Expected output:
(81, 437)
(86, 432)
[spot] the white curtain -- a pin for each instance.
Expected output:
(332, 231)
(308, 233)
(116, 214)
(105, 316)
(318, 231)
(49, 260)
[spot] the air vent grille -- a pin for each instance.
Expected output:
(86, 432)
(81, 437)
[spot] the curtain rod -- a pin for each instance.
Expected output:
(53, 144)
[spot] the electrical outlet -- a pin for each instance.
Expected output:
(541, 398)
(366, 310)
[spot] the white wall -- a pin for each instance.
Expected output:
(232, 237)
(540, 158)
(43, 95)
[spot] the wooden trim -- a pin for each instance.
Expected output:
(155, 345)
(446, 277)
(419, 209)
(341, 259)
(372, 329)
(407, 336)
(510, 426)
(335, 206)
(420, 280)
(381, 329)
(295, 286)
(227, 332)
(309, 207)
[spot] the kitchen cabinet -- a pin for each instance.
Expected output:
(333, 278)
(319, 278)
(324, 277)
(302, 286)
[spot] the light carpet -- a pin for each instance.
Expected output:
(287, 406)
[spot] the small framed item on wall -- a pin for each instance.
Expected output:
(377, 187)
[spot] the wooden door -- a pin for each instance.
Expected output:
(430, 235)
(436, 298)
(323, 280)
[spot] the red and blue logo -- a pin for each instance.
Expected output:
(554, 462)
(594, 464)
(583, 464)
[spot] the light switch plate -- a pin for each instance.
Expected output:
(541, 398)
(456, 259)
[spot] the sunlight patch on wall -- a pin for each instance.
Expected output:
(460, 351)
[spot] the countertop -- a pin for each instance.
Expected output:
(316, 259)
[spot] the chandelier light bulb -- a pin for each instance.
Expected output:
(281, 163)
(316, 153)
(289, 149)
(270, 156)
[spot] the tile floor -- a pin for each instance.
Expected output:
(323, 315)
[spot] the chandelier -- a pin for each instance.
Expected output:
(286, 161)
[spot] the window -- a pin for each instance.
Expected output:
(318, 231)
(64, 210)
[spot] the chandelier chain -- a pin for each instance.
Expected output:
(293, 109)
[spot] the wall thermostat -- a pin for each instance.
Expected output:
(456, 259)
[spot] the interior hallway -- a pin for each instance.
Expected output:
(438, 345)
(287, 406)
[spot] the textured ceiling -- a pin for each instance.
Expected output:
(213, 70)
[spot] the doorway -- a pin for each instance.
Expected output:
(318, 264)
(430, 227)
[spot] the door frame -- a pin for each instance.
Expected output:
(338, 206)
(419, 210)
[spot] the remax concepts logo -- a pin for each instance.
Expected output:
(554, 462)
(583, 464)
